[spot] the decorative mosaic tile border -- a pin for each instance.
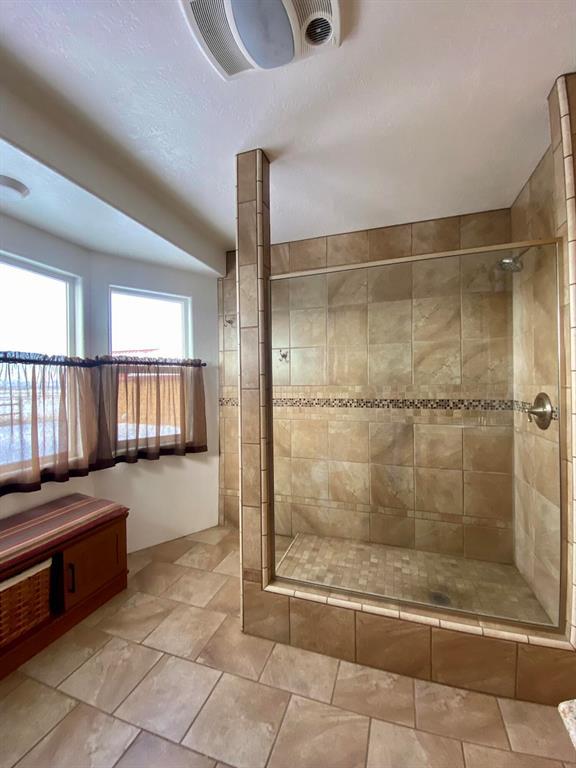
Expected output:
(428, 404)
(228, 401)
(393, 403)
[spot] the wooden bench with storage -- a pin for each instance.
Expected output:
(58, 563)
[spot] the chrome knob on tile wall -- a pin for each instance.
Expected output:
(541, 411)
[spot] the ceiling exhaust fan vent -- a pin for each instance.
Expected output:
(218, 41)
(241, 35)
(318, 31)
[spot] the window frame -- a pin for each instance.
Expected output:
(74, 338)
(74, 345)
(184, 301)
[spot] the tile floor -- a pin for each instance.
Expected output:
(162, 676)
(480, 587)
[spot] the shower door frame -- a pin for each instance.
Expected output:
(276, 582)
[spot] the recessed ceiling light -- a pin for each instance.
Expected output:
(12, 189)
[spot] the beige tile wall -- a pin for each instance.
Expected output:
(537, 517)
(228, 395)
(434, 236)
(424, 479)
(562, 107)
(540, 211)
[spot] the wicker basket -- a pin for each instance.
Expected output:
(24, 602)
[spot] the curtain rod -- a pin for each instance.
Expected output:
(87, 362)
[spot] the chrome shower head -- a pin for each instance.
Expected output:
(511, 264)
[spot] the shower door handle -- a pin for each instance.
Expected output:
(541, 411)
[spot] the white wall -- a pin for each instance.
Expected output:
(33, 119)
(175, 495)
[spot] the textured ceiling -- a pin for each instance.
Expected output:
(62, 208)
(427, 109)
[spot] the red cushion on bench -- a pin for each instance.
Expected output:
(31, 532)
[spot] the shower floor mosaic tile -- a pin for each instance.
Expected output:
(408, 574)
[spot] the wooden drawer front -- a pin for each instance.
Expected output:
(93, 562)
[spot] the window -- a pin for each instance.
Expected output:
(36, 310)
(148, 324)
(62, 416)
(36, 316)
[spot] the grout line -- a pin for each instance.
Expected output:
(290, 696)
(414, 707)
(132, 741)
(197, 715)
(35, 744)
(461, 743)
(137, 684)
(140, 732)
(369, 736)
(66, 677)
(99, 650)
(331, 702)
(268, 656)
(503, 719)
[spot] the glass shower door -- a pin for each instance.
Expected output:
(408, 464)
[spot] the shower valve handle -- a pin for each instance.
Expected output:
(541, 411)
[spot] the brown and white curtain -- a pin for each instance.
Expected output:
(64, 417)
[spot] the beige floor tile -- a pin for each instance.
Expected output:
(196, 587)
(150, 751)
(8, 684)
(460, 714)
(536, 730)
(108, 677)
(26, 715)
(185, 631)
(86, 738)
(169, 697)
(372, 692)
(238, 722)
(108, 608)
(298, 671)
(227, 599)
(487, 757)
(137, 617)
(62, 657)
(393, 746)
(230, 565)
(206, 556)
(212, 535)
(156, 577)
(230, 650)
(137, 561)
(168, 551)
(317, 735)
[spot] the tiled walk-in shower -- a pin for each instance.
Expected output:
(406, 463)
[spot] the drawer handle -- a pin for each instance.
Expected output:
(71, 577)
